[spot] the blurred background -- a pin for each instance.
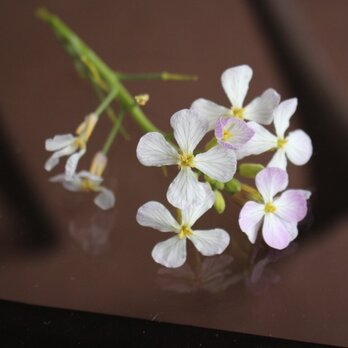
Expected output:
(57, 249)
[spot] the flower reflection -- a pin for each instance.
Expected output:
(213, 274)
(260, 277)
(92, 234)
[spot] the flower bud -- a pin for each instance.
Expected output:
(249, 170)
(142, 99)
(219, 203)
(214, 183)
(98, 164)
(233, 186)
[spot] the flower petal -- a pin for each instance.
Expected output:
(170, 253)
(261, 108)
(72, 162)
(235, 82)
(291, 206)
(270, 181)
(250, 218)
(219, 163)
(238, 130)
(58, 142)
(282, 115)
(54, 159)
(189, 129)
(261, 141)
(299, 147)
(154, 150)
(194, 211)
(276, 232)
(209, 111)
(105, 199)
(156, 215)
(72, 185)
(210, 242)
(278, 160)
(185, 189)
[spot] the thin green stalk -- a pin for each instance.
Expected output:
(163, 76)
(106, 102)
(113, 133)
(79, 50)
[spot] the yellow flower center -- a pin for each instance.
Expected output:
(80, 143)
(237, 112)
(88, 185)
(270, 208)
(186, 160)
(227, 135)
(281, 142)
(184, 232)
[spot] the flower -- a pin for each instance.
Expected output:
(172, 252)
(68, 145)
(297, 146)
(235, 82)
(90, 181)
(279, 215)
(232, 133)
(189, 129)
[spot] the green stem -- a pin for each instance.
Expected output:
(113, 133)
(79, 50)
(106, 102)
(163, 76)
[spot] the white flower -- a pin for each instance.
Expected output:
(85, 181)
(68, 145)
(235, 82)
(279, 215)
(297, 146)
(189, 129)
(172, 252)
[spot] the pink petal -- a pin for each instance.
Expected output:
(276, 232)
(291, 206)
(241, 133)
(250, 219)
(270, 181)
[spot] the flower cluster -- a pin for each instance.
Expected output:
(238, 131)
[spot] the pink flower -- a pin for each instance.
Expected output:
(278, 215)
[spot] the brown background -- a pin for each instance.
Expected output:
(57, 249)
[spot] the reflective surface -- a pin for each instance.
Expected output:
(57, 248)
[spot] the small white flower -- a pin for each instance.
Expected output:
(279, 215)
(297, 146)
(235, 82)
(172, 252)
(189, 129)
(85, 181)
(68, 145)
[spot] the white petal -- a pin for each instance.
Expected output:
(250, 218)
(299, 147)
(154, 150)
(270, 181)
(155, 215)
(276, 232)
(105, 199)
(210, 242)
(261, 108)
(282, 115)
(261, 141)
(84, 174)
(219, 163)
(278, 160)
(170, 253)
(54, 159)
(189, 129)
(209, 111)
(58, 142)
(235, 82)
(194, 211)
(185, 189)
(58, 178)
(72, 162)
(72, 185)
